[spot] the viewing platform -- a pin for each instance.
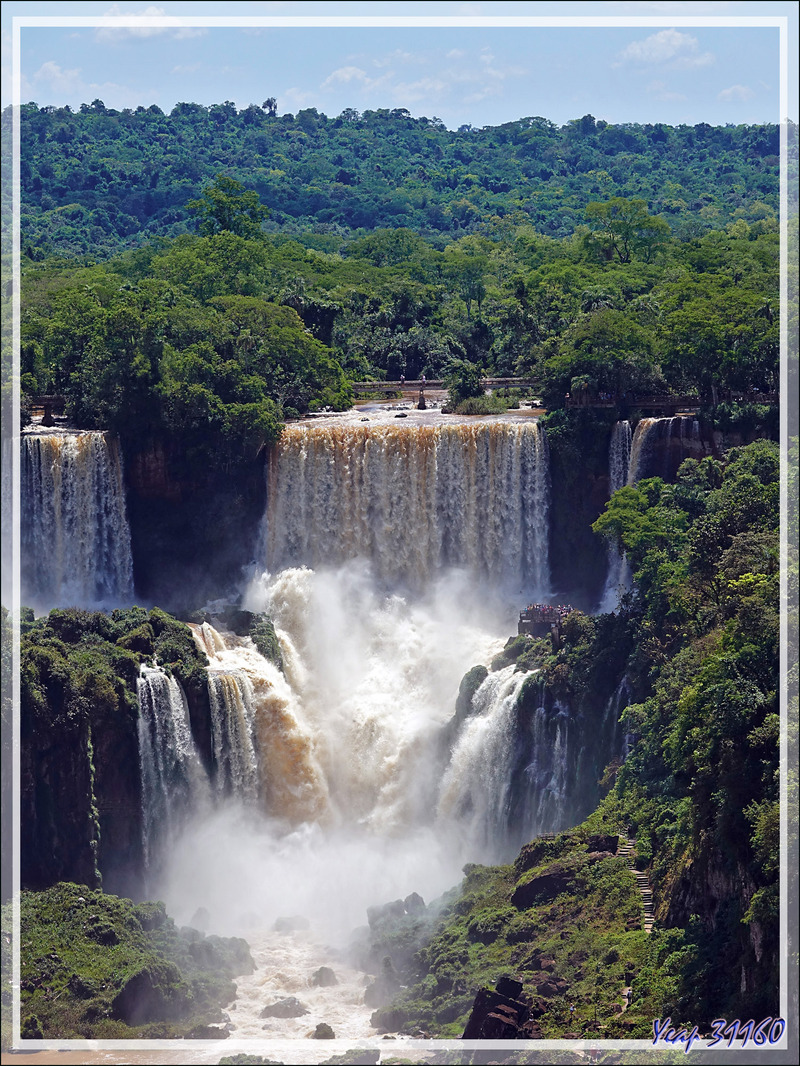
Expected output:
(543, 619)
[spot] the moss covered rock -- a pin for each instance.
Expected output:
(98, 966)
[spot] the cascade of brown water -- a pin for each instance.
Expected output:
(413, 500)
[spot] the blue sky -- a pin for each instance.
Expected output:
(662, 71)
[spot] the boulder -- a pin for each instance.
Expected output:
(388, 912)
(551, 986)
(324, 977)
(509, 986)
(290, 1007)
(392, 1018)
(323, 1032)
(414, 904)
(208, 1032)
(555, 880)
(495, 1017)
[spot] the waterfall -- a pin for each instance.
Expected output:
(547, 778)
(657, 449)
(262, 751)
(661, 444)
(619, 461)
(7, 503)
(413, 501)
(519, 767)
(76, 546)
(475, 792)
(174, 781)
(617, 702)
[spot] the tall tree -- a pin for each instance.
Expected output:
(227, 205)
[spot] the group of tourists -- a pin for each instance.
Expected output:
(560, 610)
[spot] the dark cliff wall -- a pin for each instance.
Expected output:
(578, 442)
(194, 528)
(81, 798)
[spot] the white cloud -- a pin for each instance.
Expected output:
(736, 92)
(666, 47)
(469, 76)
(399, 56)
(57, 78)
(58, 85)
(344, 75)
(115, 33)
(423, 89)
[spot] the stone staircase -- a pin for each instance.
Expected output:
(627, 850)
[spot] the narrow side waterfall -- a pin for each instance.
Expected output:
(474, 797)
(413, 501)
(174, 780)
(523, 764)
(619, 462)
(617, 703)
(76, 545)
(656, 449)
(660, 445)
(550, 778)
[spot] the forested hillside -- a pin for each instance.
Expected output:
(100, 180)
(229, 332)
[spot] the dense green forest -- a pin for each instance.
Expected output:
(229, 331)
(99, 180)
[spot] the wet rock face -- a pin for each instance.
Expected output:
(151, 995)
(385, 987)
(191, 527)
(81, 804)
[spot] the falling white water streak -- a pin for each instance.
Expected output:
(174, 781)
(657, 448)
(619, 463)
(76, 546)
(262, 749)
(474, 791)
(660, 444)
